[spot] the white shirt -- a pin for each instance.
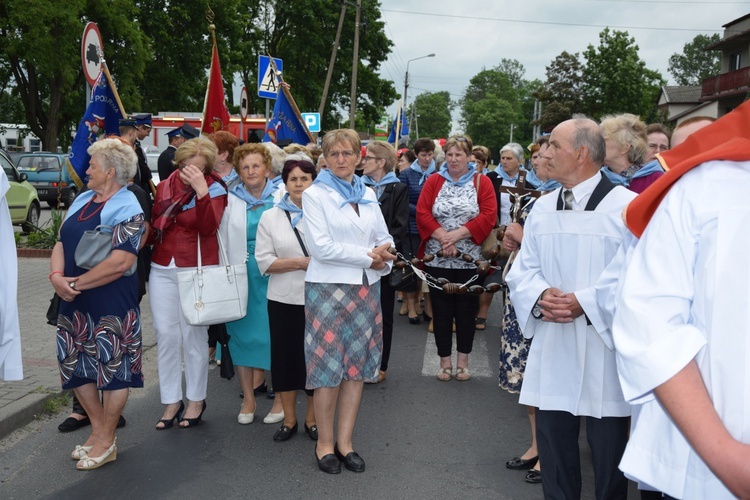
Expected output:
(276, 240)
(570, 366)
(685, 296)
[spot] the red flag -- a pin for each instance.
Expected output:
(215, 113)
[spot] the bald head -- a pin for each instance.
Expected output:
(688, 127)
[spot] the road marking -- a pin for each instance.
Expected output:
(479, 362)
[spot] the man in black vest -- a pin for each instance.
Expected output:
(142, 130)
(176, 137)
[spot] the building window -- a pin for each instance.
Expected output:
(734, 61)
(36, 145)
(12, 145)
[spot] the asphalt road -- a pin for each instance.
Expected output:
(420, 438)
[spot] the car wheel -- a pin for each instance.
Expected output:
(32, 218)
(70, 198)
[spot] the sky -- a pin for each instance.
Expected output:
(469, 35)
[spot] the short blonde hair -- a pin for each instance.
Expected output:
(118, 155)
(248, 149)
(348, 135)
(462, 142)
(384, 151)
(200, 146)
(627, 130)
(297, 148)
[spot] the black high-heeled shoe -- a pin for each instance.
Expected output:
(262, 388)
(192, 422)
(169, 422)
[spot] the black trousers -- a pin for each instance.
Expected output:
(557, 436)
(449, 307)
(387, 302)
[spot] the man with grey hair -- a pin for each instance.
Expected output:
(569, 238)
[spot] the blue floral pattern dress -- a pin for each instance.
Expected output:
(99, 332)
(514, 348)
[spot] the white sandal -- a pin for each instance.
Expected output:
(462, 374)
(80, 452)
(90, 463)
(444, 374)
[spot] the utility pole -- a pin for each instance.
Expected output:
(355, 63)
(332, 61)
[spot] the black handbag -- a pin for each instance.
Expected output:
(227, 365)
(53, 310)
(401, 279)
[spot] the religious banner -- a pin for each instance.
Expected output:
(286, 122)
(215, 112)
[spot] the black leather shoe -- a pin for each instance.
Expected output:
(312, 431)
(71, 424)
(328, 464)
(352, 460)
(261, 389)
(415, 320)
(534, 476)
(519, 464)
(121, 422)
(284, 432)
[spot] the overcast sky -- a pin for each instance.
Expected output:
(467, 35)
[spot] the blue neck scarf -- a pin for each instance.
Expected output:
(616, 178)
(504, 175)
(120, 207)
(550, 185)
(415, 166)
(232, 175)
(277, 180)
(243, 194)
(287, 205)
(467, 177)
(353, 192)
(532, 179)
(648, 169)
(389, 178)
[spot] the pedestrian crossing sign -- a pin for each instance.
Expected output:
(268, 82)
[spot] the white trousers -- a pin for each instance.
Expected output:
(177, 341)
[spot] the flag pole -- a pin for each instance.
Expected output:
(105, 69)
(212, 29)
(397, 135)
(284, 88)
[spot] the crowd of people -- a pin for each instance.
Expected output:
(318, 228)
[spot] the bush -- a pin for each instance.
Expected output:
(42, 237)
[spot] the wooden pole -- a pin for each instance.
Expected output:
(332, 61)
(355, 64)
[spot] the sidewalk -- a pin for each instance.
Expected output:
(21, 401)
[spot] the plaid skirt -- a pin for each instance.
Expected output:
(343, 333)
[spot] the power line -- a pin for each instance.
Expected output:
(477, 18)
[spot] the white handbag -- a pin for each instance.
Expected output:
(213, 295)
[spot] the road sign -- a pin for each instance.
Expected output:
(244, 103)
(268, 82)
(312, 120)
(91, 50)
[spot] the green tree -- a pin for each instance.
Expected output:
(302, 34)
(433, 112)
(494, 100)
(695, 64)
(40, 43)
(561, 92)
(616, 80)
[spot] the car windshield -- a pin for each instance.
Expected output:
(38, 163)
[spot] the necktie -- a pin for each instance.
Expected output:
(568, 199)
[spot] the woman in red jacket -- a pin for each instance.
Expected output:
(455, 213)
(189, 204)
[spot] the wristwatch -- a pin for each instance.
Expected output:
(72, 285)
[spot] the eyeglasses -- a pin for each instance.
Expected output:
(368, 158)
(346, 154)
(660, 147)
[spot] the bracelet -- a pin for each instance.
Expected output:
(53, 273)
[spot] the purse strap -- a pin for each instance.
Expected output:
(223, 260)
(296, 233)
(477, 178)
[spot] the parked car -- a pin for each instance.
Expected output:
(49, 173)
(23, 200)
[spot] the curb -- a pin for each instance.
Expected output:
(23, 411)
(37, 253)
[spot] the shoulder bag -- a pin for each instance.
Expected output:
(491, 245)
(95, 246)
(212, 295)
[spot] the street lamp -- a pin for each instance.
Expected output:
(406, 86)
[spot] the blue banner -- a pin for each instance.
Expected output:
(404, 128)
(102, 116)
(285, 124)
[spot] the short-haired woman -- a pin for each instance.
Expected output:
(188, 207)
(627, 146)
(99, 326)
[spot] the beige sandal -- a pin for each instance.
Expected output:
(445, 374)
(462, 374)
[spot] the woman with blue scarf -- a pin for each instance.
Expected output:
(348, 242)
(456, 212)
(627, 146)
(98, 326)
(282, 254)
(394, 204)
(414, 178)
(250, 342)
